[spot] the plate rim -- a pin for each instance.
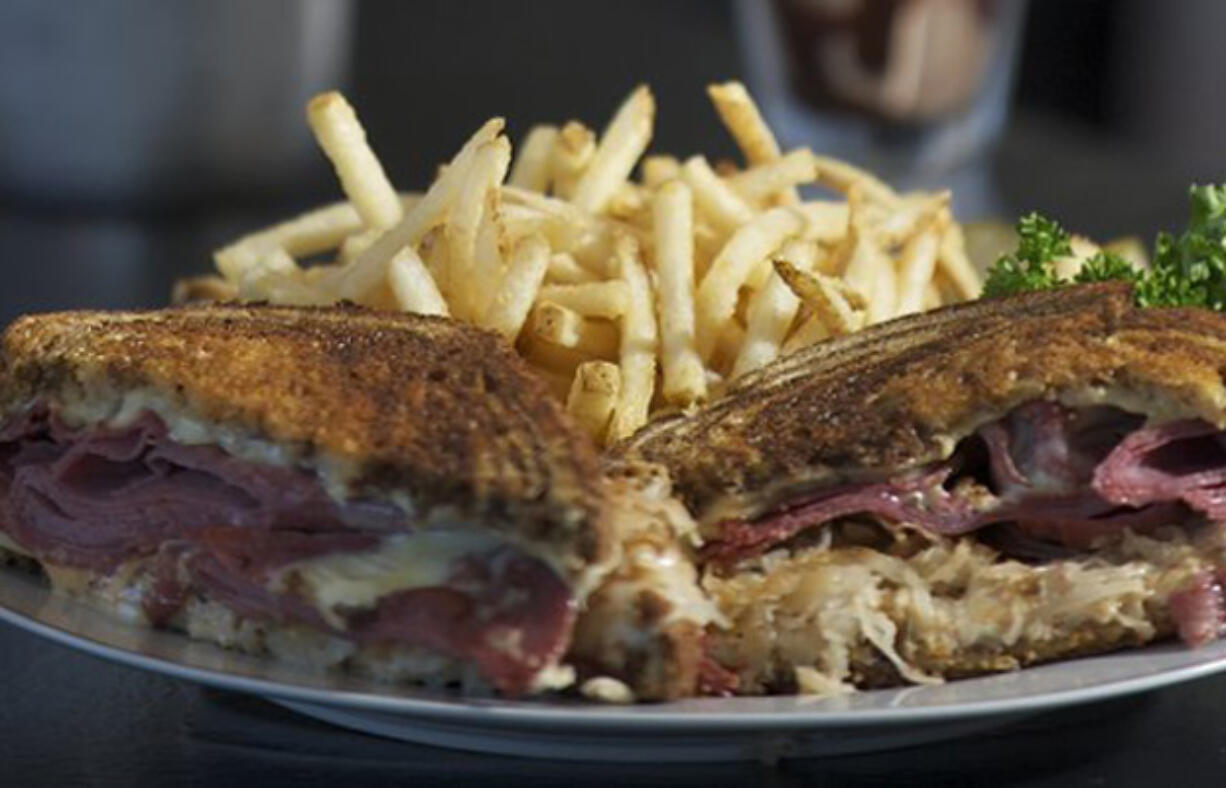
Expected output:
(501, 713)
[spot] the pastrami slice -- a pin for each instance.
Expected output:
(1058, 473)
(202, 521)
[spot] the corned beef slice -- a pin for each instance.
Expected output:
(1055, 476)
(206, 520)
(1061, 474)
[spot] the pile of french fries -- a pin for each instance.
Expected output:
(629, 295)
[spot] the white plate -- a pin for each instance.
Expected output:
(693, 730)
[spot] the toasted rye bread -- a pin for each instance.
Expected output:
(821, 618)
(901, 394)
(440, 412)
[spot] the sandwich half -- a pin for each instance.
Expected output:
(974, 489)
(391, 494)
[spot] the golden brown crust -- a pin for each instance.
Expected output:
(898, 394)
(1084, 643)
(444, 412)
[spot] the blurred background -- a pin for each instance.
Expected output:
(138, 135)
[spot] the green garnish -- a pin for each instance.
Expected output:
(1106, 267)
(1191, 270)
(1040, 242)
(1188, 270)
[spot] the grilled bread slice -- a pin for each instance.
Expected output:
(440, 414)
(973, 489)
(388, 491)
(902, 394)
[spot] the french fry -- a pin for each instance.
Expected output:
(860, 272)
(369, 269)
(673, 219)
(562, 223)
(639, 344)
(627, 203)
(311, 233)
(854, 298)
(758, 275)
(558, 325)
(869, 270)
(558, 359)
(1069, 265)
(657, 170)
(913, 214)
(956, 266)
(486, 170)
(202, 288)
(714, 198)
(825, 221)
(945, 286)
(555, 324)
(594, 299)
(745, 294)
(763, 181)
(432, 251)
(509, 307)
(593, 396)
(572, 152)
(564, 269)
(743, 120)
(915, 269)
(276, 278)
(841, 176)
(883, 297)
(820, 295)
(717, 293)
(772, 311)
(576, 260)
(1131, 248)
(318, 274)
(727, 348)
(932, 296)
(355, 244)
(620, 147)
(413, 287)
(594, 250)
(812, 330)
(492, 249)
(707, 243)
(858, 247)
(285, 288)
(519, 221)
(276, 265)
(531, 168)
(343, 140)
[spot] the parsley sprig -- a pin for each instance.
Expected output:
(1187, 270)
(1032, 267)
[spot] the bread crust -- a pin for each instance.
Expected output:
(442, 413)
(902, 393)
